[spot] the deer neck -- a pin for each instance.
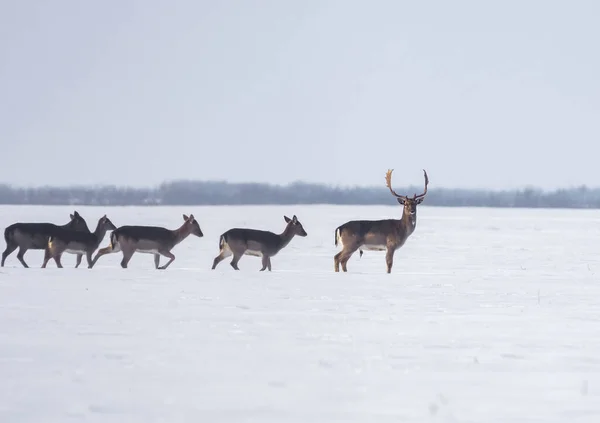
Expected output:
(99, 233)
(181, 233)
(409, 221)
(286, 236)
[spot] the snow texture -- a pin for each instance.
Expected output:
(489, 315)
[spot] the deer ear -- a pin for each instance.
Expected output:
(185, 217)
(400, 200)
(287, 219)
(72, 216)
(191, 218)
(294, 219)
(420, 200)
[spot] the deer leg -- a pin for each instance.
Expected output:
(234, 261)
(265, 262)
(127, 254)
(269, 263)
(101, 252)
(223, 254)
(57, 258)
(345, 255)
(218, 259)
(10, 247)
(336, 261)
(49, 254)
(47, 257)
(344, 261)
(156, 260)
(389, 259)
(78, 262)
(88, 256)
(55, 250)
(168, 254)
(21, 256)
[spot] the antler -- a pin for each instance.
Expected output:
(388, 183)
(426, 183)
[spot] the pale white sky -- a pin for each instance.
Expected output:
(133, 92)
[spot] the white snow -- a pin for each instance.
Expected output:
(489, 315)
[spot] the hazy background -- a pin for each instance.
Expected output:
(490, 95)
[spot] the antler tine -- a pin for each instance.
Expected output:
(388, 183)
(426, 183)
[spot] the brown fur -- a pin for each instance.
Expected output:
(380, 235)
(76, 242)
(254, 242)
(34, 236)
(149, 239)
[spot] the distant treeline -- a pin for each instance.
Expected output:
(223, 193)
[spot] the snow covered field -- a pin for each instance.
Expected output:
(489, 315)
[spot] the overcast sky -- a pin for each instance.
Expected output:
(484, 94)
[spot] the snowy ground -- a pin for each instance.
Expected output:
(489, 316)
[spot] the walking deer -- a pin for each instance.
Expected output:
(257, 243)
(76, 242)
(34, 236)
(379, 235)
(150, 240)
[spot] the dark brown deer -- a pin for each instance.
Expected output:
(254, 242)
(379, 235)
(150, 240)
(34, 236)
(76, 242)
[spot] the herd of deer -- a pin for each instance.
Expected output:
(76, 238)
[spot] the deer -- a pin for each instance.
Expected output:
(154, 240)
(34, 236)
(379, 235)
(257, 243)
(76, 242)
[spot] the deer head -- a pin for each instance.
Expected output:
(295, 225)
(410, 204)
(77, 222)
(192, 225)
(105, 223)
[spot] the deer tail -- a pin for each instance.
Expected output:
(113, 239)
(8, 235)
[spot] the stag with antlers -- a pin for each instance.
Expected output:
(379, 235)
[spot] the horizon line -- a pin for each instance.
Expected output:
(287, 185)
